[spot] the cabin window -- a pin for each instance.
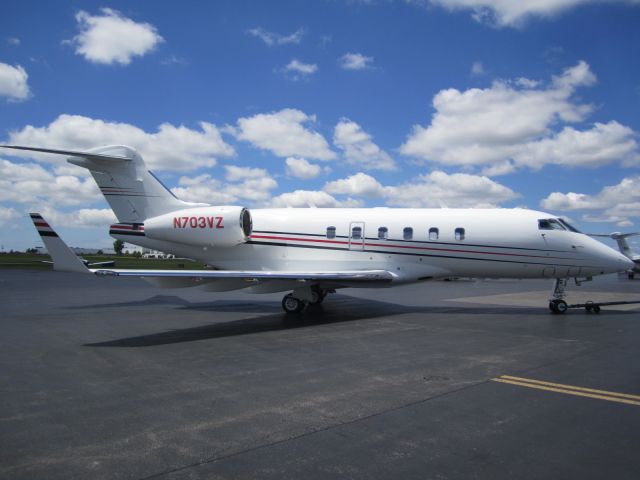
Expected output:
(459, 234)
(434, 233)
(331, 232)
(549, 224)
(356, 233)
(407, 233)
(383, 233)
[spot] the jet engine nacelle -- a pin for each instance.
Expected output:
(224, 226)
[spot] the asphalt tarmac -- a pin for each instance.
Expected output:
(109, 378)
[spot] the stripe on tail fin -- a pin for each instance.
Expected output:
(64, 259)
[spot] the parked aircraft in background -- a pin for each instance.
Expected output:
(625, 249)
(312, 252)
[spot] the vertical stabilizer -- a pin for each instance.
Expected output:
(623, 244)
(63, 258)
(133, 192)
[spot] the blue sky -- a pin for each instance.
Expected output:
(456, 103)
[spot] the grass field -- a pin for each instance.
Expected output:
(39, 262)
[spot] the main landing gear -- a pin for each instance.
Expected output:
(299, 299)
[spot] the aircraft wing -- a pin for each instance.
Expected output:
(108, 263)
(65, 260)
(257, 275)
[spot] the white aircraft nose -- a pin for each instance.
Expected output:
(617, 262)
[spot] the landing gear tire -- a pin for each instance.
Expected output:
(630, 275)
(558, 306)
(317, 297)
(291, 304)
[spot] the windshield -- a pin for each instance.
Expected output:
(570, 227)
(550, 224)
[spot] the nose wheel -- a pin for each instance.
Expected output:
(558, 306)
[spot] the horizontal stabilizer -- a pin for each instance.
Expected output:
(614, 235)
(71, 153)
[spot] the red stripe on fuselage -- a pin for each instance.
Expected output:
(408, 247)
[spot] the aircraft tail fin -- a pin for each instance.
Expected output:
(63, 258)
(621, 240)
(132, 191)
(623, 245)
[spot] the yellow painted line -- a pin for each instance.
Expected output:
(572, 387)
(567, 391)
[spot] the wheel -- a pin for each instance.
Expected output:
(589, 306)
(596, 308)
(558, 306)
(291, 304)
(317, 297)
(631, 275)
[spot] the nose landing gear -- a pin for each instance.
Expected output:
(557, 303)
(558, 306)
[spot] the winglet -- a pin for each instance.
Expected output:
(63, 258)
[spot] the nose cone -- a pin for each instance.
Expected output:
(604, 259)
(616, 262)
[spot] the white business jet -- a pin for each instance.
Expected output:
(311, 252)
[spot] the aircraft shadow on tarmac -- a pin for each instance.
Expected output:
(337, 309)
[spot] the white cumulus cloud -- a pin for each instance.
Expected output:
(440, 189)
(618, 203)
(285, 133)
(301, 168)
(243, 185)
(8, 215)
(13, 82)
(296, 70)
(311, 198)
(436, 189)
(273, 39)
(511, 124)
(355, 61)
(112, 38)
(30, 183)
(360, 184)
(358, 147)
(169, 148)
(514, 13)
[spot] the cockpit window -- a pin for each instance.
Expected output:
(568, 226)
(550, 224)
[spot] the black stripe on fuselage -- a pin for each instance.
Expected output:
(48, 234)
(317, 247)
(424, 242)
(126, 232)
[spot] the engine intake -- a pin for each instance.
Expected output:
(223, 226)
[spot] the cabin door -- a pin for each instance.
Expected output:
(356, 236)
